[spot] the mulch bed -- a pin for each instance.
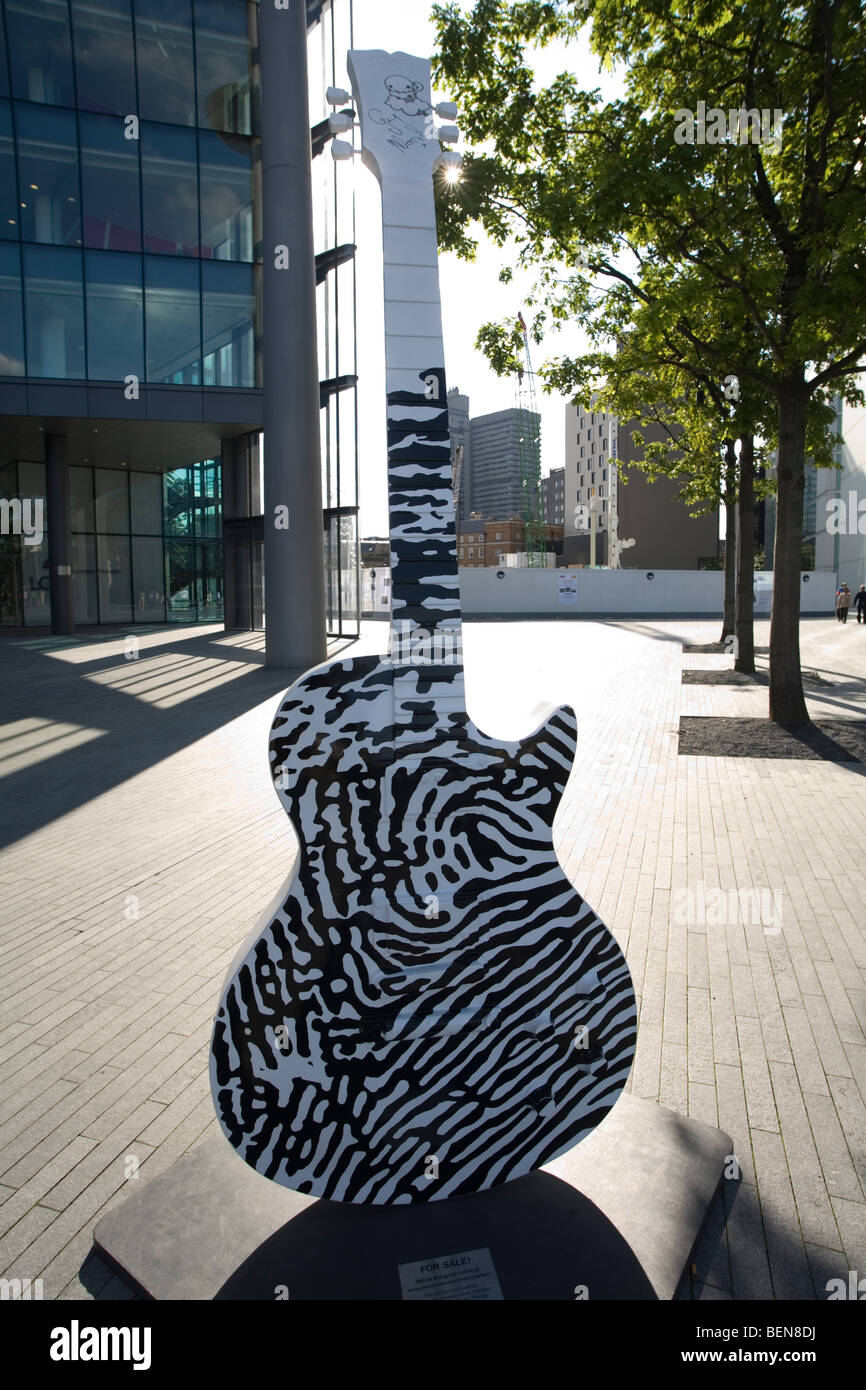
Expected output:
(718, 647)
(829, 740)
(729, 677)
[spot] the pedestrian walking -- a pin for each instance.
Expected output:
(860, 603)
(843, 603)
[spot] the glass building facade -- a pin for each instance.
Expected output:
(130, 270)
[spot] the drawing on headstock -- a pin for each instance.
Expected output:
(396, 116)
(429, 1008)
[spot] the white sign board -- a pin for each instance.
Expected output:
(468, 1276)
(567, 587)
(763, 592)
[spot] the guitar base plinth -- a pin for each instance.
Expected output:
(616, 1217)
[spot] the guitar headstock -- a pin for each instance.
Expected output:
(400, 137)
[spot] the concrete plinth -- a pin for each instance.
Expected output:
(615, 1218)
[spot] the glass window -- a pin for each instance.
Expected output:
(115, 579)
(54, 312)
(84, 592)
(11, 320)
(109, 185)
(81, 499)
(209, 581)
(148, 578)
(223, 59)
(8, 201)
(226, 197)
(172, 320)
(115, 316)
(180, 581)
(48, 192)
(4, 78)
(112, 501)
(169, 190)
(40, 51)
(166, 75)
(104, 56)
(228, 319)
(146, 492)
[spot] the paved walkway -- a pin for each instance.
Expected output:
(141, 839)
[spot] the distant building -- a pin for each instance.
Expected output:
(495, 466)
(458, 427)
(553, 493)
(601, 474)
(487, 542)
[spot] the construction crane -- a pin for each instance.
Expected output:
(456, 471)
(529, 453)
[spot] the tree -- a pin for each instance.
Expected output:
(664, 190)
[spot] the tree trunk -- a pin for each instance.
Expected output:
(729, 614)
(787, 705)
(744, 648)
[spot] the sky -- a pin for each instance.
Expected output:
(471, 292)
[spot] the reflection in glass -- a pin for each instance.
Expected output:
(223, 55)
(228, 319)
(110, 185)
(226, 197)
(84, 587)
(115, 323)
(169, 190)
(4, 80)
(115, 579)
(112, 501)
(54, 312)
(104, 63)
(11, 319)
(172, 320)
(148, 579)
(40, 51)
(166, 79)
(8, 201)
(180, 581)
(48, 175)
(81, 499)
(146, 498)
(209, 583)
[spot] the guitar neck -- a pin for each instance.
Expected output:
(424, 582)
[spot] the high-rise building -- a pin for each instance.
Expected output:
(553, 493)
(496, 462)
(131, 263)
(459, 429)
(601, 476)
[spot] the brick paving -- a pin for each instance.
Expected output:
(140, 839)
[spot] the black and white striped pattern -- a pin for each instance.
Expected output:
(430, 1008)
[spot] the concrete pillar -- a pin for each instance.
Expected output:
(294, 555)
(59, 537)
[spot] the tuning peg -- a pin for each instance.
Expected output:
(450, 160)
(449, 133)
(340, 121)
(341, 149)
(447, 110)
(336, 96)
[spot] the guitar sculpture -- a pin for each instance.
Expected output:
(429, 1009)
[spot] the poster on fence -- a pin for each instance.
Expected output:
(567, 587)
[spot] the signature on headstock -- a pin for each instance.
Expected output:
(403, 113)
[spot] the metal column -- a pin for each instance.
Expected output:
(294, 557)
(59, 537)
